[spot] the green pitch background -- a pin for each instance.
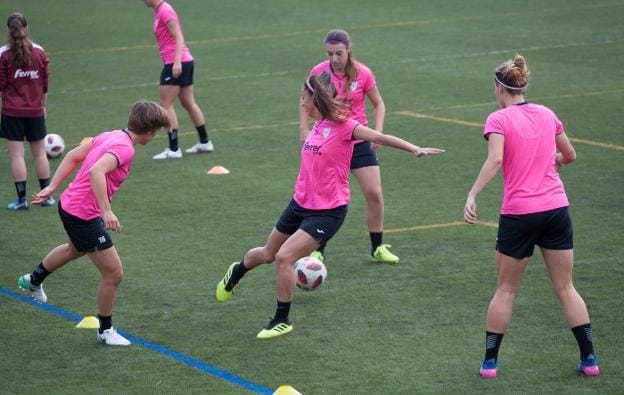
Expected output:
(417, 327)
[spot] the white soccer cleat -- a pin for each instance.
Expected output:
(36, 292)
(168, 154)
(199, 148)
(110, 337)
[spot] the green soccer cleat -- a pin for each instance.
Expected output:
(36, 291)
(318, 255)
(222, 294)
(275, 329)
(383, 254)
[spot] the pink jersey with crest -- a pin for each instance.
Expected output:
(531, 181)
(166, 42)
(78, 199)
(323, 181)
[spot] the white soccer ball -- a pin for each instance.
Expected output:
(54, 145)
(310, 272)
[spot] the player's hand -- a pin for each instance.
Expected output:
(111, 222)
(470, 210)
(42, 195)
(176, 70)
(428, 151)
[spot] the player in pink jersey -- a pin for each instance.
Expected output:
(24, 85)
(319, 204)
(355, 83)
(86, 213)
(529, 142)
(176, 79)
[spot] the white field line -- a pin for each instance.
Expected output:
(302, 72)
(384, 25)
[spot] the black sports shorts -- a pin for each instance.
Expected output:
(518, 234)
(183, 80)
(363, 156)
(322, 225)
(86, 235)
(18, 128)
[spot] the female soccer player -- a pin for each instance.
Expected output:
(86, 213)
(354, 83)
(24, 85)
(529, 142)
(176, 79)
(319, 204)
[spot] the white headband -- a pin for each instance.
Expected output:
(513, 88)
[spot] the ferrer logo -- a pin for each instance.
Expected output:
(316, 149)
(32, 74)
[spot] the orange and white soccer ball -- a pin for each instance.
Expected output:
(54, 145)
(310, 272)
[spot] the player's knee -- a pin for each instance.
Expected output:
(374, 197)
(283, 259)
(564, 289)
(115, 277)
(267, 256)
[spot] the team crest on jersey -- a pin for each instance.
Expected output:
(354, 86)
(326, 132)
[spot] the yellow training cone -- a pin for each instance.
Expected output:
(89, 322)
(218, 170)
(286, 390)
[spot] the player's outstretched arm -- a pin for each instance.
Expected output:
(375, 137)
(67, 166)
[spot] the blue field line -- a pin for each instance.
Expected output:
(185, 359)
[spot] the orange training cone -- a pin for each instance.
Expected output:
(218, 170)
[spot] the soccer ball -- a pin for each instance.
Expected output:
(54, 145)
(311, 273)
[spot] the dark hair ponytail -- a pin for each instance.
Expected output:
(324, 97)
(17, 38)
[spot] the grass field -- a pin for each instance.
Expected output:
(417, 327)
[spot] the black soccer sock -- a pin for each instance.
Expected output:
(492, 344)
(321, 247)
(39, 274)
(281, 312)
(203, 136)
(583, 335)
(376, 239)
(238, 273)
(173, 139)
(106, 322)
(20, 187)
(44, 182)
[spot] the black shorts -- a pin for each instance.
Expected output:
(183, 80)
(363, 156)
(518, 234)
(322, 225)
(16, 128)
(86, 236)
